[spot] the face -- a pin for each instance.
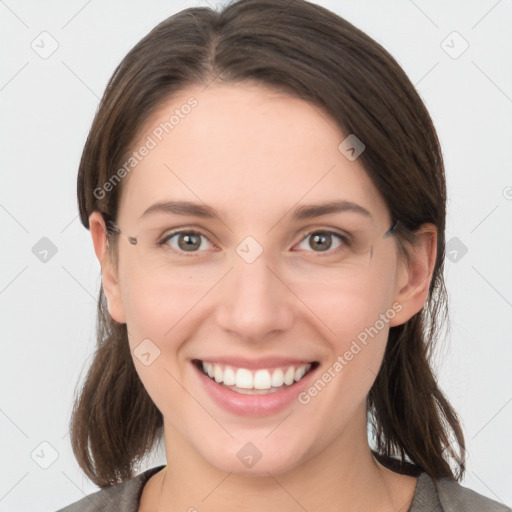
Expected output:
(254, 289)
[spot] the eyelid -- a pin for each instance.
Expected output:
(324, 229)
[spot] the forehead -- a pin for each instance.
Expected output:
(245, 150)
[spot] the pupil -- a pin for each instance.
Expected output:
(190, 242)
(321, 238)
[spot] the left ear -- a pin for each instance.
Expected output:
(415, 274)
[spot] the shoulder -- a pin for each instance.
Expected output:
(454, 496)
(124, 496)
(446, 495)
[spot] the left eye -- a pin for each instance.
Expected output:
(323, 240)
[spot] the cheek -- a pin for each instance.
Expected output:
(356, 316)
(346, 311)
(347, 305)
(161, 315)
(157, 303)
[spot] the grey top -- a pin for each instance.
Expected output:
(442, 495)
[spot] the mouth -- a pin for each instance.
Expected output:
(261, 381)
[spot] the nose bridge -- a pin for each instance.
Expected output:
(255, 301)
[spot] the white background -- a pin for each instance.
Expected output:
(48, 309)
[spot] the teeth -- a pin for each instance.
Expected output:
(245, 379)
(229, 377)
(277, 379)
(289, 376)
(299, 373)
(262, 380)
(217, 373)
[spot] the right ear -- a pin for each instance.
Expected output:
(109, 279)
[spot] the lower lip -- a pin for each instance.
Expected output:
(253, 405)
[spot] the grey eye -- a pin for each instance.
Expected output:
(321, 241)
(187, 241)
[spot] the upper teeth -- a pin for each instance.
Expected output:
(259, 379)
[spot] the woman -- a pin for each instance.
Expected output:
(266, 196)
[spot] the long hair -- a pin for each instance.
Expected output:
(305, 50)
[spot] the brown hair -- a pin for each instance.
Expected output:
(313, 54)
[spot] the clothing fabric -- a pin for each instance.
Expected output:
(442, 495)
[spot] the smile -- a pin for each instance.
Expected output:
(260, 381)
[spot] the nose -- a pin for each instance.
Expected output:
(256, 303)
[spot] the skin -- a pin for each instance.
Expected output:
(242, 147)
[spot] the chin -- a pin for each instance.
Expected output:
(246, 459)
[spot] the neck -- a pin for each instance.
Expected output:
(345, 476)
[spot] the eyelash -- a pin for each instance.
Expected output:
(344, 239)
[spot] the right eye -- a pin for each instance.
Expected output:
(184, 241)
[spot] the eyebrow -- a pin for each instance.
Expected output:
(302, 212)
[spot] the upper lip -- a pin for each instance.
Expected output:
(264, 362)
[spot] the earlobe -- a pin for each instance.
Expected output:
(109, 279)
(415, 275)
